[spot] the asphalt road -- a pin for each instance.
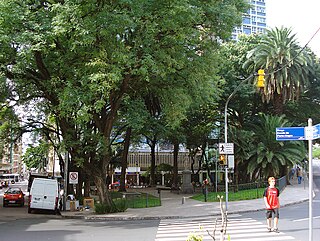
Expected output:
(16, 223)
(41, 229)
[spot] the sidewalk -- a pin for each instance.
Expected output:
(173, 206)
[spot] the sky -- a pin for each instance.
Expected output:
(303, 16)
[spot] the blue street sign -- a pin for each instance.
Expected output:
(291, 133)
(316, 131)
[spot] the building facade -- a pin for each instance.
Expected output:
(254, 21)
(11, 159)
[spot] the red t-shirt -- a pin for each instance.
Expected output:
(272, 195)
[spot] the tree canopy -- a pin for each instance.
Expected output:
(287, 66)
(82, 60)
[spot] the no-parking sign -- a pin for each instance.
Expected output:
(73, 177)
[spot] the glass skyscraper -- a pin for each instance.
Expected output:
(254, 21)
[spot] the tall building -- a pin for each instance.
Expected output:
(11, 162)
(254, 21)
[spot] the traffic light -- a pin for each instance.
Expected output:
(260, 82)
(222, 160)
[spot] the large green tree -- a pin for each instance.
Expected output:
(286, 64)
(299, 111)
(82, 59)
(269, 157)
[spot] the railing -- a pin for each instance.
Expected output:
(248, 190)
(281, 183)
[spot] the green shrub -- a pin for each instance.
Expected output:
(102, 208)
(119, 205)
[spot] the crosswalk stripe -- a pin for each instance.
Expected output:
(239, 229)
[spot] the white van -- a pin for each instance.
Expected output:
(44, 194)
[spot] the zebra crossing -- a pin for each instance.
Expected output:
(238, 229)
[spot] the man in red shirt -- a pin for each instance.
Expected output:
(271, 200)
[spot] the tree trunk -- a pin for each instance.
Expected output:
(80, 184)
(103, 193)
(278, 104)
(175, 165)
(124, 161)
(86, 186)
(153, 163)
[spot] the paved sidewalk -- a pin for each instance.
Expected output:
(173, 206)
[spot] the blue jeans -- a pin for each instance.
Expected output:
(299, 180)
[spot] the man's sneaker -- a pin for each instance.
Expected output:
(269, 230)
(276, 230)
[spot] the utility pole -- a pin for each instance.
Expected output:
(65, 184)
(226, 130)
(310, 184)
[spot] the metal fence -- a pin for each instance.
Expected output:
(137, 199)
(281, 183)
(247, 191)
(244, 191)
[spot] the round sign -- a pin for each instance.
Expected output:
(73, 177)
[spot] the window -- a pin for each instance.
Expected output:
(247, 30)
(261, 10)
(261, 20)
(246, 20)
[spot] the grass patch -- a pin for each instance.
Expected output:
(140, 200)
(232, 196)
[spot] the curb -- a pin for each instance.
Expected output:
(105, 218)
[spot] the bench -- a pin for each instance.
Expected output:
(130, 194)
(171, 189)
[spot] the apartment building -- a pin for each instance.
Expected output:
(254, 21)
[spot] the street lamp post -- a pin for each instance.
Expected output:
(310, 184)
(226, 131)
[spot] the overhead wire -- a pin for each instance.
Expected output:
(275, 71)
(303, 48)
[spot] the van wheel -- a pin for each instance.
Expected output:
(29, 210)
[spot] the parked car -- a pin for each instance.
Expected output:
(114, 185)
(13, 195)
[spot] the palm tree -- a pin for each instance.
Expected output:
(270, 157)
(286, 64)
(243, 141)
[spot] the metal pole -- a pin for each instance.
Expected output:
(310, 184)
(11, 149)
(216, 171)
(226, 127)
(226, 141)
(227, 191)
(54, 160)
(66, 160)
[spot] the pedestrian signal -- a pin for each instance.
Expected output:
(222, 160)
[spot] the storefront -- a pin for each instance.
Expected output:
(132, 176)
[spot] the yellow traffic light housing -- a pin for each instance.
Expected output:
(260, 82)
(222, 160)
